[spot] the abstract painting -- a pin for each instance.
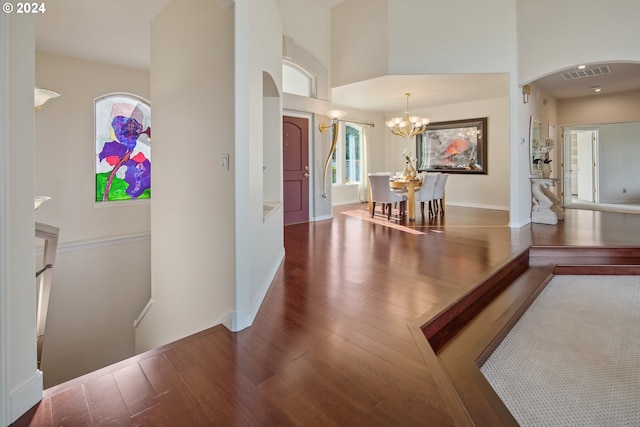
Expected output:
(123, 148)
(458, 146)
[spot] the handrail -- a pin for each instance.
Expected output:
(143, 313)
(44, 278)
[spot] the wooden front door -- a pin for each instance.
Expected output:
(295, 163)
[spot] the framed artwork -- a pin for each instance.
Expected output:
(122, 148)
(458, 146)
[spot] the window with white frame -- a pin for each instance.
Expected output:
(297, 81)
(346, 160)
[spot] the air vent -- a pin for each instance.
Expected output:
(587, 72)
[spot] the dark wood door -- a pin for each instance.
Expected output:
(295, 152)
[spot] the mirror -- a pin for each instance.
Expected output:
(535, 136)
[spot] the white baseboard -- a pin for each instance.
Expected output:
(476, 205)
(238, 320)
(26, 395)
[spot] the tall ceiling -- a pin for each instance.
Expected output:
(118, 32)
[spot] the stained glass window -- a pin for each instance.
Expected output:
(123, 148)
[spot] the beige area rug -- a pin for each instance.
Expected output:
(378, 219)
(573, 359)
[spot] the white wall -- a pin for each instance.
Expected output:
(618, 154)
(555, 35)
(5, 258)
(259, 241)
(489, 191)
(454, 36)
(102, 276)
(21, 380)
(605, 108)
(359, 41)
(65, 148)
(308, 23)
(99, 288)
(616, 116)
(192, 211)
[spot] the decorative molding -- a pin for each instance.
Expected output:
(121, 203)
(98, 243)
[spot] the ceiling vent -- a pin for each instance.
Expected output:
(587, 72)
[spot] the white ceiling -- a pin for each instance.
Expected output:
(387, 94)
(623, 77)
(117, 32)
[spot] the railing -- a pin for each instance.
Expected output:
(44, 276)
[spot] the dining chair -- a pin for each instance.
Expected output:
(388, 174)
(426, 191)
(438, 193)
(381, 192)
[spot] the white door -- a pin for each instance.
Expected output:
(585, 167)
(567, 173)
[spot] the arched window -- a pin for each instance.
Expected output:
(297, 81)
(123, 147)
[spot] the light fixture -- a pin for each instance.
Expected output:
(526, 91)
(408, 126)
(335, 116)
(43, 95)
(596, 89)
(581, 67)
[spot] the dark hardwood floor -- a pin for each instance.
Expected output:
(331, 344)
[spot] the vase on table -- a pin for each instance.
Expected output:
(545, 168)
(409, 172)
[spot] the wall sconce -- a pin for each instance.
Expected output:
(43, 95)
(526, 91)
(335, 116)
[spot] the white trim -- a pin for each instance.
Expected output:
(476, 205)
(26, 395)
(348, 202)
(5, 259)
(239, 319)
(98, 243)
(120, 203)
(323, 217)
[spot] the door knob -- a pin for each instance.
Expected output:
(306, 175)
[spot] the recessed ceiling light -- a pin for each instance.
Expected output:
(597, 89)
(581, 67)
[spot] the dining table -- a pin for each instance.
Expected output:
(410, 185)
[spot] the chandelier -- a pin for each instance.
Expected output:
(408, 126)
